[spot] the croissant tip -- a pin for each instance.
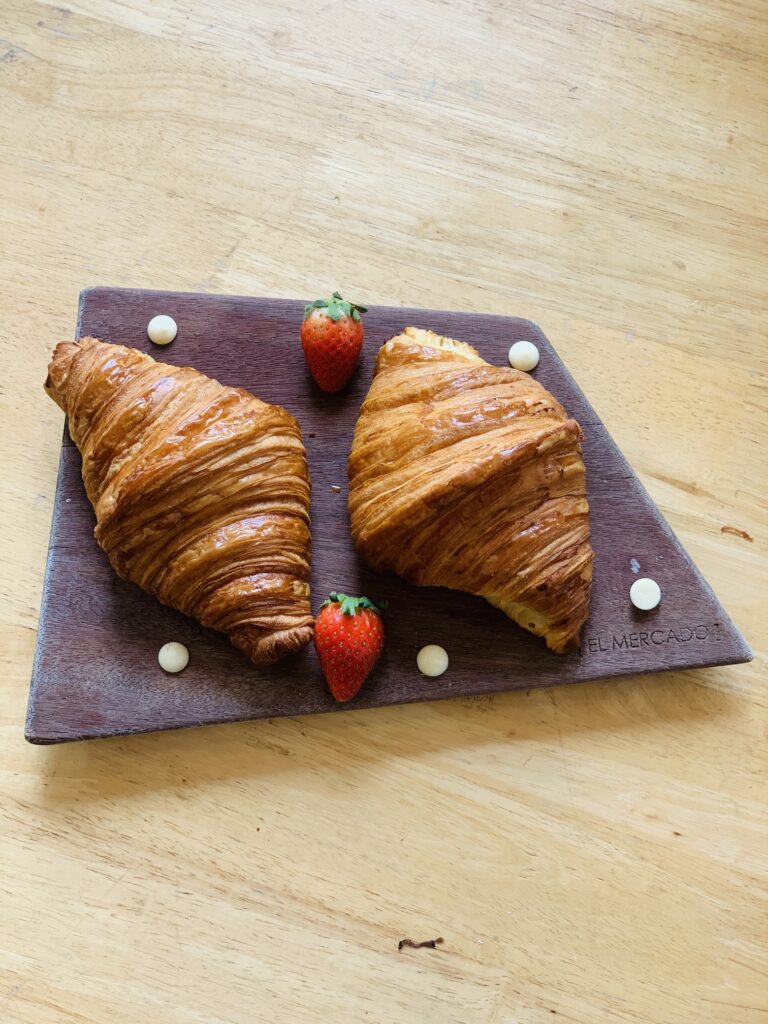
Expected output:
(58, 371)
(573, 643)
(265, 650)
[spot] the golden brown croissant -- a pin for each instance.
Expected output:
(470, 476)
(201, 491)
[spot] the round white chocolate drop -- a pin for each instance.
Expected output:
(432, 660)
(645, 594)
(524, 356)
(162, 329)
(173, 657)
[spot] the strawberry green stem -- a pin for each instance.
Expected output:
(336, 307)
(350, 605)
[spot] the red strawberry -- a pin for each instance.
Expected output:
(332, 336)
(349, 635)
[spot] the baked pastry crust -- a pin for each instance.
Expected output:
(201, 492)
(470, 476)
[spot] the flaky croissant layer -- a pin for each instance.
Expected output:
(201, 492)
(470, 476)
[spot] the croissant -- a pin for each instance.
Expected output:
(470, 476)
(201, 492)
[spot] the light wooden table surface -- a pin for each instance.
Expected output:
(593, 854)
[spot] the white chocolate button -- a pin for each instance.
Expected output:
(173, 657)
(162, 329)
(645, 594)
(524, 356)
(432, 660)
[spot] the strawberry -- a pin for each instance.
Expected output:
(349, 635)
(332, 336)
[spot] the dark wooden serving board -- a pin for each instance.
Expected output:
(96, 670)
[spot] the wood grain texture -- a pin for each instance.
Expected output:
(109, 683)
(598, 168)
